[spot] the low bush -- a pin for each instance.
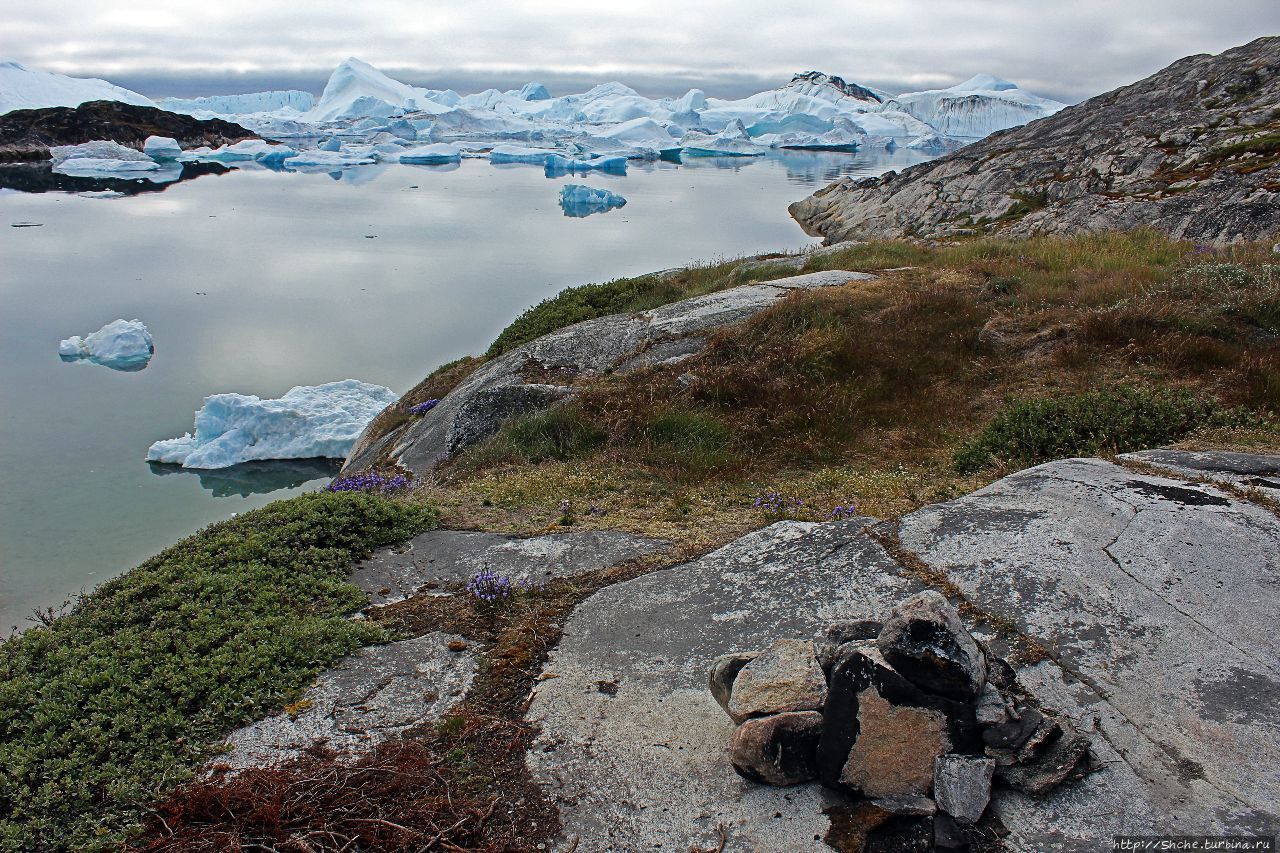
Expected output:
(1027, 432)
(558, 433)
(107, 707)
(692, 438)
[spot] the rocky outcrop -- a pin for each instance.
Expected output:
(29, 134)
(1143, 604)
(1193, 151)
(533, 376)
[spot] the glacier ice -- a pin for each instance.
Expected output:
(307, 422)
(23, 88)
(161, 148)
(363, 115)
(99, 157)
(121, 345)
(434, 154)
(577, 200)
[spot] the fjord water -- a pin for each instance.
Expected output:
(255, 281)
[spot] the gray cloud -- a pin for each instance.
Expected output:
(1065, 50)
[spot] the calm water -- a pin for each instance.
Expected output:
(256, 281)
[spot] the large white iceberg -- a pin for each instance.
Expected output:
(434, 154)
(121, 345)
(99, 157)
(577, 200)
(733, 141)
(252, 102)
(307, 422)
(23, 88)
(975, 108)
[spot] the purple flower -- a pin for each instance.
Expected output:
(843, 512)
(423, 408)
(776, 503)
(370, 482)
(488, 586)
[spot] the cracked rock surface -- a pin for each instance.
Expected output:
(372, 695)
(442, 558)
(1152, 596)
(481, 403)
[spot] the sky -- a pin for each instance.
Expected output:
(1066, 50)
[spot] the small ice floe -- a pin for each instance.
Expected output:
(99, 157)
(578, 200)
(120, 345)
(307, 422)
(161, 148)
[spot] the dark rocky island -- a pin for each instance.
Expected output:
(27, 135)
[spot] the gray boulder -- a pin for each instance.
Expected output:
(777, 750)
(784, 677)
(924, 639)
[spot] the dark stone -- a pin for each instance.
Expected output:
(1067, 757)
(1013, 734)
(947, 834)
(837, 634)
(925, 640)
(962, 786)
(777, 750)
(858, 669)
(901, 835)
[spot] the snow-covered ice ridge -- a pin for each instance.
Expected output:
(307, 422)
(364, 116)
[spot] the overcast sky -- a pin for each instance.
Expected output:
(1069, 50)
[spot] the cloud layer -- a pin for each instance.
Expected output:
(1065, 50)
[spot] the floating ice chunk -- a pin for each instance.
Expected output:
(98, 157)
(460, 121)
(435, 153)
(577, 200)
(558, 164)
(520, 154)
(355, 156)
(733, 141)
(642, 133)
(161, 148)
(307, 422)
(121, 345)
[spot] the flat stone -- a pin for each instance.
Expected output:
(1155, 599)
(1245, 470)
(784, 677)
(370, 696)
(896, 746)
(777, 750)
(914, 806)
(443, 559)
(724, 671)
(924, 639)
(962, 786)
(1063, 758)
(650, 766)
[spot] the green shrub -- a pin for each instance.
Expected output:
(109, 706)
(691, 437)
(558, 433)
(1028, 432)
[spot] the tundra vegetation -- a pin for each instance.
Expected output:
(959, 363)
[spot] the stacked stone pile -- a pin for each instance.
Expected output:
(913, 718)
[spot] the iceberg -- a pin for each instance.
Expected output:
(253, 102)
(502, 154)
(99, 157)
(577, 200)
(356, 87)
(975, 108)
(120, 345)
(558, 164)
(733, 141)
(343, 159)
(307, 422)
(435, 154)
(23, 88)
(533, 92)
(161, 148)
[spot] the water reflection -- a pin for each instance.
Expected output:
(256, 478)
(40, 178)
